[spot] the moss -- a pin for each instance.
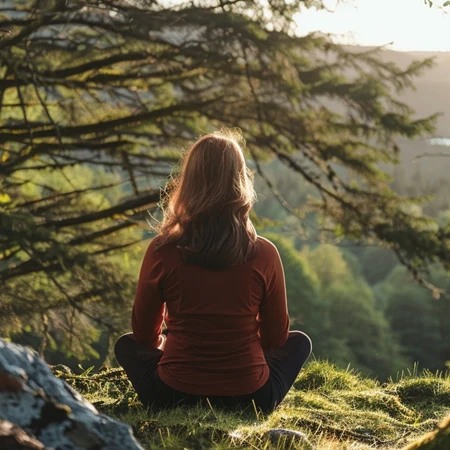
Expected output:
(438, 439)
(376, 400)
(337, 410)
(415, 390)
(326, 376)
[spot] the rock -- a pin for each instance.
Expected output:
(14, 438)
(278, 435)
(47, 408)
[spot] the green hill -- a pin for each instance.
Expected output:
(336, 409)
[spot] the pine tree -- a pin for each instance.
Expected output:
(97, 98)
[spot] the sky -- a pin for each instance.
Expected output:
(408, 24)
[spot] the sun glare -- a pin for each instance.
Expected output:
(403, 24)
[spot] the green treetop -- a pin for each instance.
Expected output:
(98, 98)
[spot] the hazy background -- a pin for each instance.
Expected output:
(358, 303)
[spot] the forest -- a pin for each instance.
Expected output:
(349, 147)
(99, 101)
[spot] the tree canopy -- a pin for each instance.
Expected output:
(97, 100)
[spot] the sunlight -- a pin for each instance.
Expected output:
(407, 24)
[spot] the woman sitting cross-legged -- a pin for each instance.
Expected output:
(219, 288)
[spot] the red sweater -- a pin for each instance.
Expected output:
(219, 321)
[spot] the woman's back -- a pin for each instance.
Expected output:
(220, 289)
(219, 321)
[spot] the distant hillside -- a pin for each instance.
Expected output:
(433, 87)
(432, 95)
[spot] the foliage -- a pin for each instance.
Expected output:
(302, 285)
(375, 262)
(419, 321)
(421, 333)
(356, 331)
(337, 309)
(337, 409)
(52, 306)
(98, 98)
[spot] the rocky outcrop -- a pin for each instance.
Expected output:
(49, 411)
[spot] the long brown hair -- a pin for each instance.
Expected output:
(207, 206)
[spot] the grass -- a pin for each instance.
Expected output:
(337, 410)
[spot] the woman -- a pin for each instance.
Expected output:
(220, 289)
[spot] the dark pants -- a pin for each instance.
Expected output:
(140, 365)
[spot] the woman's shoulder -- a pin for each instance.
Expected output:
(159, 245)
(163, 252)
(266, 247)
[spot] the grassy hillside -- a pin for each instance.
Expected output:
(336, 409)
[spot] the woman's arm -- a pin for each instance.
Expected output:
(148, 308)
(273, 314)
